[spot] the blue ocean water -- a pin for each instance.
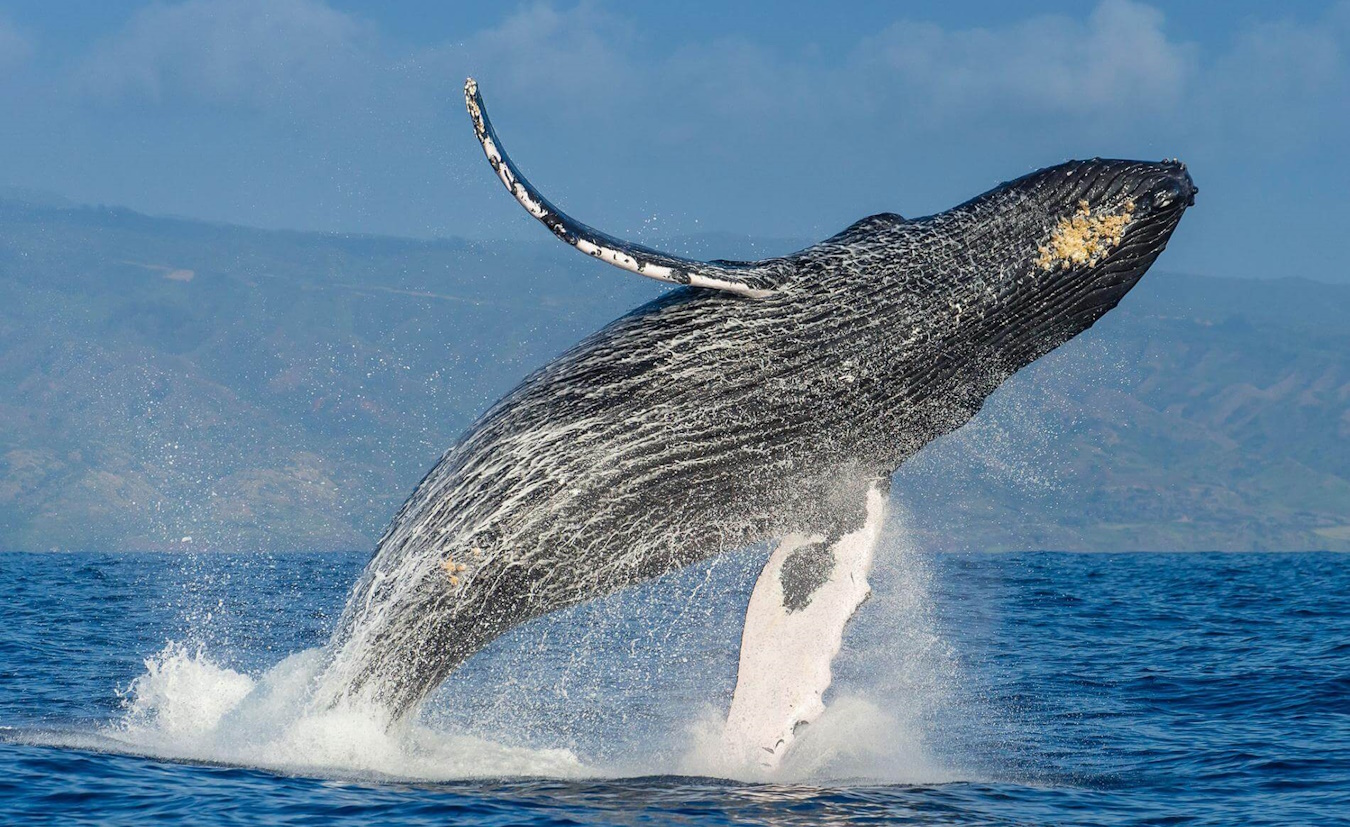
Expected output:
(1019, 689)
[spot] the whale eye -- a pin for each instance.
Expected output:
(1167, 195)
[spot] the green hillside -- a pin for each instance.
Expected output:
(1202, 414)
(164, 379)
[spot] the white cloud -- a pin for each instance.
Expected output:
(571, 62)
(1117, 60)
(1116, 71)
(544, 49)
(1111, 66)
(734, 130)
(1116, 75)
(254, 53)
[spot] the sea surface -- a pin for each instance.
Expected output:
(1031, 688)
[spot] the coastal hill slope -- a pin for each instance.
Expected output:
(169, 384)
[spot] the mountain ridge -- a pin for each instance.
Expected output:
(166, 379)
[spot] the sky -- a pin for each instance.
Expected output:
(786, 119)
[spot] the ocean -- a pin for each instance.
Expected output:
(1034, 688)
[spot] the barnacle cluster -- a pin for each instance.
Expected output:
(1085, 238)
(453, 569)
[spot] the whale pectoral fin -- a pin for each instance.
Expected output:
(794, 627)
(746, 278)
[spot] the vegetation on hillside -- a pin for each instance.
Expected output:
(173, 384)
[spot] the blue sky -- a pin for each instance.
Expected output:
(786, 119)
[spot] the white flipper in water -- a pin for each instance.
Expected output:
(794, 626)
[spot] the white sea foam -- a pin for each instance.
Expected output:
(854, 740)
(498, 718)
(187, 707)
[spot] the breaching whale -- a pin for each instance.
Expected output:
(760, 401)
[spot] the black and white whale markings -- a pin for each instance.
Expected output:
(760, 400)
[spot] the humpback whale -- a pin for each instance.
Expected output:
(759, 401)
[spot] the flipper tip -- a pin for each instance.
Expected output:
(474, 103)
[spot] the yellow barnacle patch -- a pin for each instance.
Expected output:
(1084, 238)
(452, 569)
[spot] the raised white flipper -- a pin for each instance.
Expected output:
(794, 627)
(754, 279)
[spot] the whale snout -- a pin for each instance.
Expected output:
(1178, 190)
(1190, 187)
(1108, 222)
(1176, 187)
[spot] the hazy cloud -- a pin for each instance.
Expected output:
(1117, 68)
(1115, 64)
(546, 50)
(253, 53)
(1117, 60)
(15, 48)
(1117, 71)
(313, 118)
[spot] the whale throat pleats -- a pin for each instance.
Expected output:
(752, 279)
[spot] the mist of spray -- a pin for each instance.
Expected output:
(634, 684)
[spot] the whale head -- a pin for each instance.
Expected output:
(1057, 249)
(1094, 227)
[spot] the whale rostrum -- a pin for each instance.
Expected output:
(758, 401)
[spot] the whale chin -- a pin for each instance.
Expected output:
(1125, 266)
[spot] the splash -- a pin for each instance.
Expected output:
(630, 685)
(187, 707)
(893, 686)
